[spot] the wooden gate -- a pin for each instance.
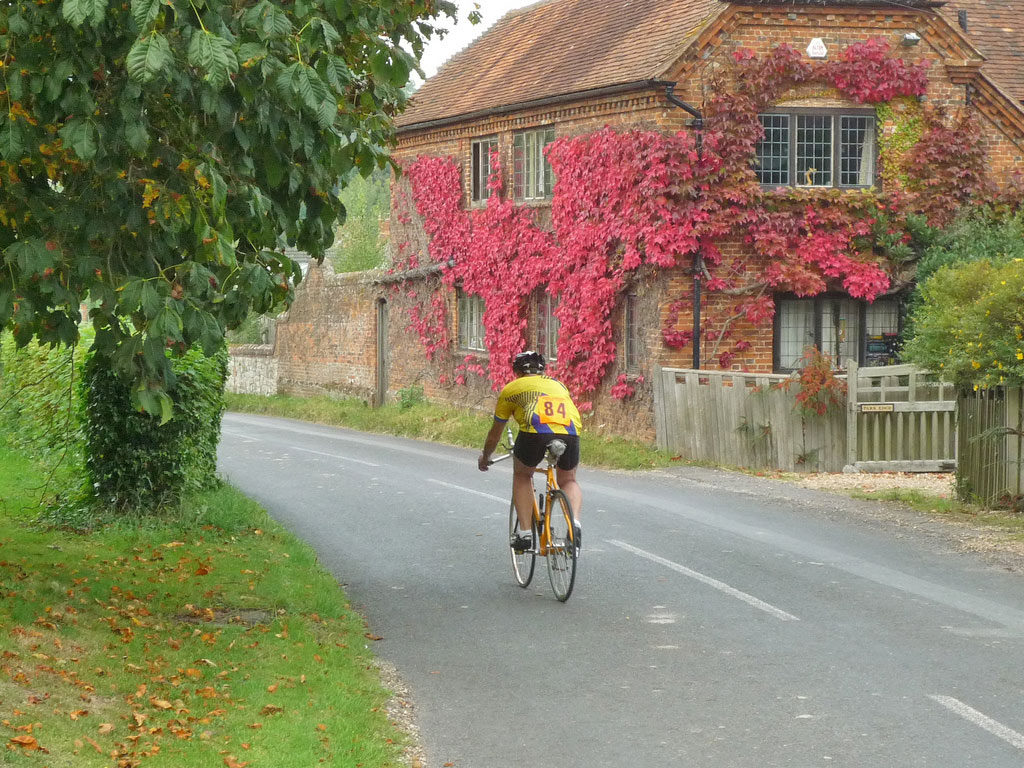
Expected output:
(990, 431)
(900, 418)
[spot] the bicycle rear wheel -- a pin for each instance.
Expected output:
(522, 562)
(561, 548)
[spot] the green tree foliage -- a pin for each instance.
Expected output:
(39, 409)
(367, 203)
(982, 234)
(969, 323)
(158, 155)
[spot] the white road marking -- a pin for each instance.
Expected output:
(972, 715)
(503, 499)
(333, 456)
(661, 617)
(719, 585)
(242, 436)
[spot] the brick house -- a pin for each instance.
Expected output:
(572, 68)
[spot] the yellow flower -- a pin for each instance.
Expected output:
(1020, 355)
(975, 364)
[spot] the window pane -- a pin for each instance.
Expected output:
(856, 151)
(796, 331)
(481, 171)
(840, 330)
(546, 341)
(773, 150)
(882, 316)
(882, 326)
(552, 329)
(537, 162)
(533, 178)
(631, 335)
(814, 150)
(471, 322)
(549, 174)
(519, 165)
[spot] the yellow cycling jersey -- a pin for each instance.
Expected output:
(540, 404)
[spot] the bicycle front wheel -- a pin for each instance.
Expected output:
(522, 562)
(561, 547)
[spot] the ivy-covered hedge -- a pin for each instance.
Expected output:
(134, 462)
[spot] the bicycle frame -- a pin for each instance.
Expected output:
(541, 503)
(542, 517)
(557, 548)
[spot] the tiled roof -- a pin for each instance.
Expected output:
(996, 27)
(556, 47)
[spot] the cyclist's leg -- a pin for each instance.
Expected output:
(522, 493)
(565, 474)
(526, 454)
(571, 488)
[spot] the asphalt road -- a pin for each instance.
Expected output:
(711, 625)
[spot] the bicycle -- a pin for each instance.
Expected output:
(552, 531)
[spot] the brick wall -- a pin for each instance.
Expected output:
(327, 341)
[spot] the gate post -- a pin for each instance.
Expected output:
(851, 416)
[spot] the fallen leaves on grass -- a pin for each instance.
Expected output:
(26, 742)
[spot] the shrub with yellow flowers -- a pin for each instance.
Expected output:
(969, 324)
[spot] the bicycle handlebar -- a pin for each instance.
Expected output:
(500, 458)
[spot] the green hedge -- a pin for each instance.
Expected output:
(133, 462)
(39, 407)
(65, 402)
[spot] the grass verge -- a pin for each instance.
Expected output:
(958, 511)
(210, 639)
(437, 423)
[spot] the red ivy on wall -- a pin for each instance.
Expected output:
(630, 200)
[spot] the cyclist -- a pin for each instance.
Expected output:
(545, 411)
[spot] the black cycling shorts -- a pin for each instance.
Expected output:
(530, 447)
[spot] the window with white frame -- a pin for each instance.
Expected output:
(840, 327)
(630, 334)
(471, 321)
(532, 178)
(480, 164)
(820, 148)
(546, 336)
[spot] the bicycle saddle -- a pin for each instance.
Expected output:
(556, 447)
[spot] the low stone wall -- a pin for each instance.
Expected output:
(252, 370)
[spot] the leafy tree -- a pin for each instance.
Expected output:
(367, 202)
(982, 233)
(158, 155)
(969, 324)
(994, 234)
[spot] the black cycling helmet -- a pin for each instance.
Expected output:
(528, 363)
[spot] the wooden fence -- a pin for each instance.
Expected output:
(900, 418)
(743, 420)
(991, 440)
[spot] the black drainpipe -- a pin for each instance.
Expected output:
(698, 258)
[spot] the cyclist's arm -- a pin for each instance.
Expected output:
(491, 442)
